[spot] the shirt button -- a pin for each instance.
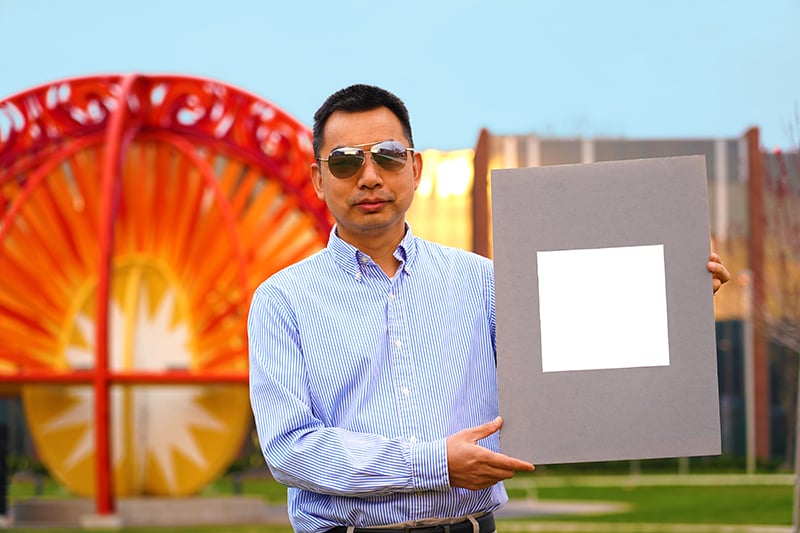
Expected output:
(412, 439)
(391, 296)
(406, 392)
(358, 275)
(364, 259)
(398, 343)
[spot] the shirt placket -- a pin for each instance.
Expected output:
(402, 360)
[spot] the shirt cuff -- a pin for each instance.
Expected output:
(429, 465)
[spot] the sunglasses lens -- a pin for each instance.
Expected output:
(344, 162)
(390, 155)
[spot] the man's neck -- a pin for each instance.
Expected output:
(380, 247)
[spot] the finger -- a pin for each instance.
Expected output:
(524, 466)
(716, 284)
(505, 462)
(719, 271)
(494, 474)
(484, 430)
(515, 464)
(724, 276)
(489, 474)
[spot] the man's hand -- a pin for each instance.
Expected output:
(474, 467)
(719, 272)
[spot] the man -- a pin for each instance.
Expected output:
(372, 362)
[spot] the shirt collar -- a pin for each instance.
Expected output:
(350, 258)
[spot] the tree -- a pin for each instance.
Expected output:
(780, 309)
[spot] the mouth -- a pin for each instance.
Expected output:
(371, 204)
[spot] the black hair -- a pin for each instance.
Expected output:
(357, 98)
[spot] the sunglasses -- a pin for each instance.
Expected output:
(346, 161)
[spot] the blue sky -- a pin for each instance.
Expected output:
(614, 68)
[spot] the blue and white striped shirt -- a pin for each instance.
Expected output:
(357, 379)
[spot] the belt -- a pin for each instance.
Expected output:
(485, 523)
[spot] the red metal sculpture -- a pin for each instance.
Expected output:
(137, 215)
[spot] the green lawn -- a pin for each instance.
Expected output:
(688, 505)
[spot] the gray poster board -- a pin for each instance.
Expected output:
(605, 319)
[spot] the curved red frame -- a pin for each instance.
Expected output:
(69, 114)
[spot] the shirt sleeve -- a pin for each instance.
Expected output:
(299, 449)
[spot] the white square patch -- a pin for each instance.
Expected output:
(603, 308)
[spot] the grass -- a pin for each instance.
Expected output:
(688, 505)
(24, 487)
(272, 491)
(763, 504)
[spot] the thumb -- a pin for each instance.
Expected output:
(484, 430)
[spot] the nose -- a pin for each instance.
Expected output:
(369, 174)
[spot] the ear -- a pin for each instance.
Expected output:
(316, 180)
(417, 169)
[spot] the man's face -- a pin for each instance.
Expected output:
(373, 201)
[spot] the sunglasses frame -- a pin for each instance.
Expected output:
(363, 157)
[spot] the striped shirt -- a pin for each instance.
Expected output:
(356, 380)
